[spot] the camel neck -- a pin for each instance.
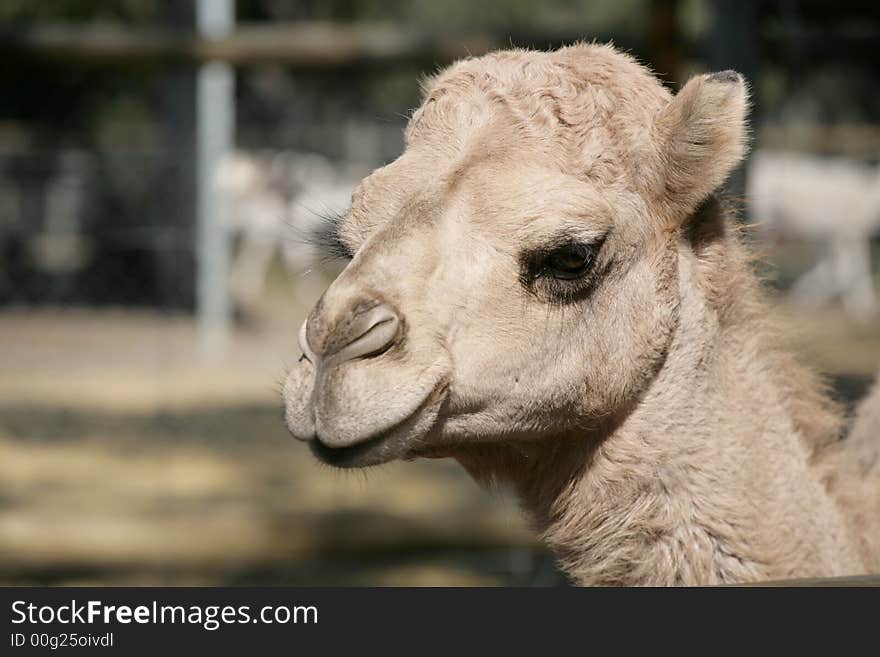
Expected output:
(705, 479)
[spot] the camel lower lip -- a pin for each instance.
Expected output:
(353, 456)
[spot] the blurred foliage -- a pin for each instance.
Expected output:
(129, 11)
(114, 106)
(593, 15)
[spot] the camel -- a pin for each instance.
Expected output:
(834, 201)
(545, 287)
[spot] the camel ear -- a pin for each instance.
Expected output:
(703, 135)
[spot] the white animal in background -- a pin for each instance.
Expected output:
(832, 200)
(276, 201)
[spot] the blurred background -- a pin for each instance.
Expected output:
(160, 163)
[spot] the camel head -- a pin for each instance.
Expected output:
(514, 274)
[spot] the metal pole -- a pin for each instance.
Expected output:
(215, 124)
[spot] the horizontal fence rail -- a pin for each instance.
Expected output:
(308, 44)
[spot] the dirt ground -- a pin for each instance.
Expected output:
(127, 458)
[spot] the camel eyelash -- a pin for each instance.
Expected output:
(326, 240)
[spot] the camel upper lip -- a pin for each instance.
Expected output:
(357, 455)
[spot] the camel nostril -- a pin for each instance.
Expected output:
(372, 334)
(302, 338)
(363, 333)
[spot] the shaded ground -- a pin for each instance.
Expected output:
(225, 496)
(125, 458)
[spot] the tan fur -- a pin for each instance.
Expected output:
(651, 424)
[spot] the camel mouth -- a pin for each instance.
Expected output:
(360, 455)
(395, 442)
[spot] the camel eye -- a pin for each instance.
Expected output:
(561, 272)
(569, 261)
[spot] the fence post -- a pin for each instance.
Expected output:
(215, 121)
